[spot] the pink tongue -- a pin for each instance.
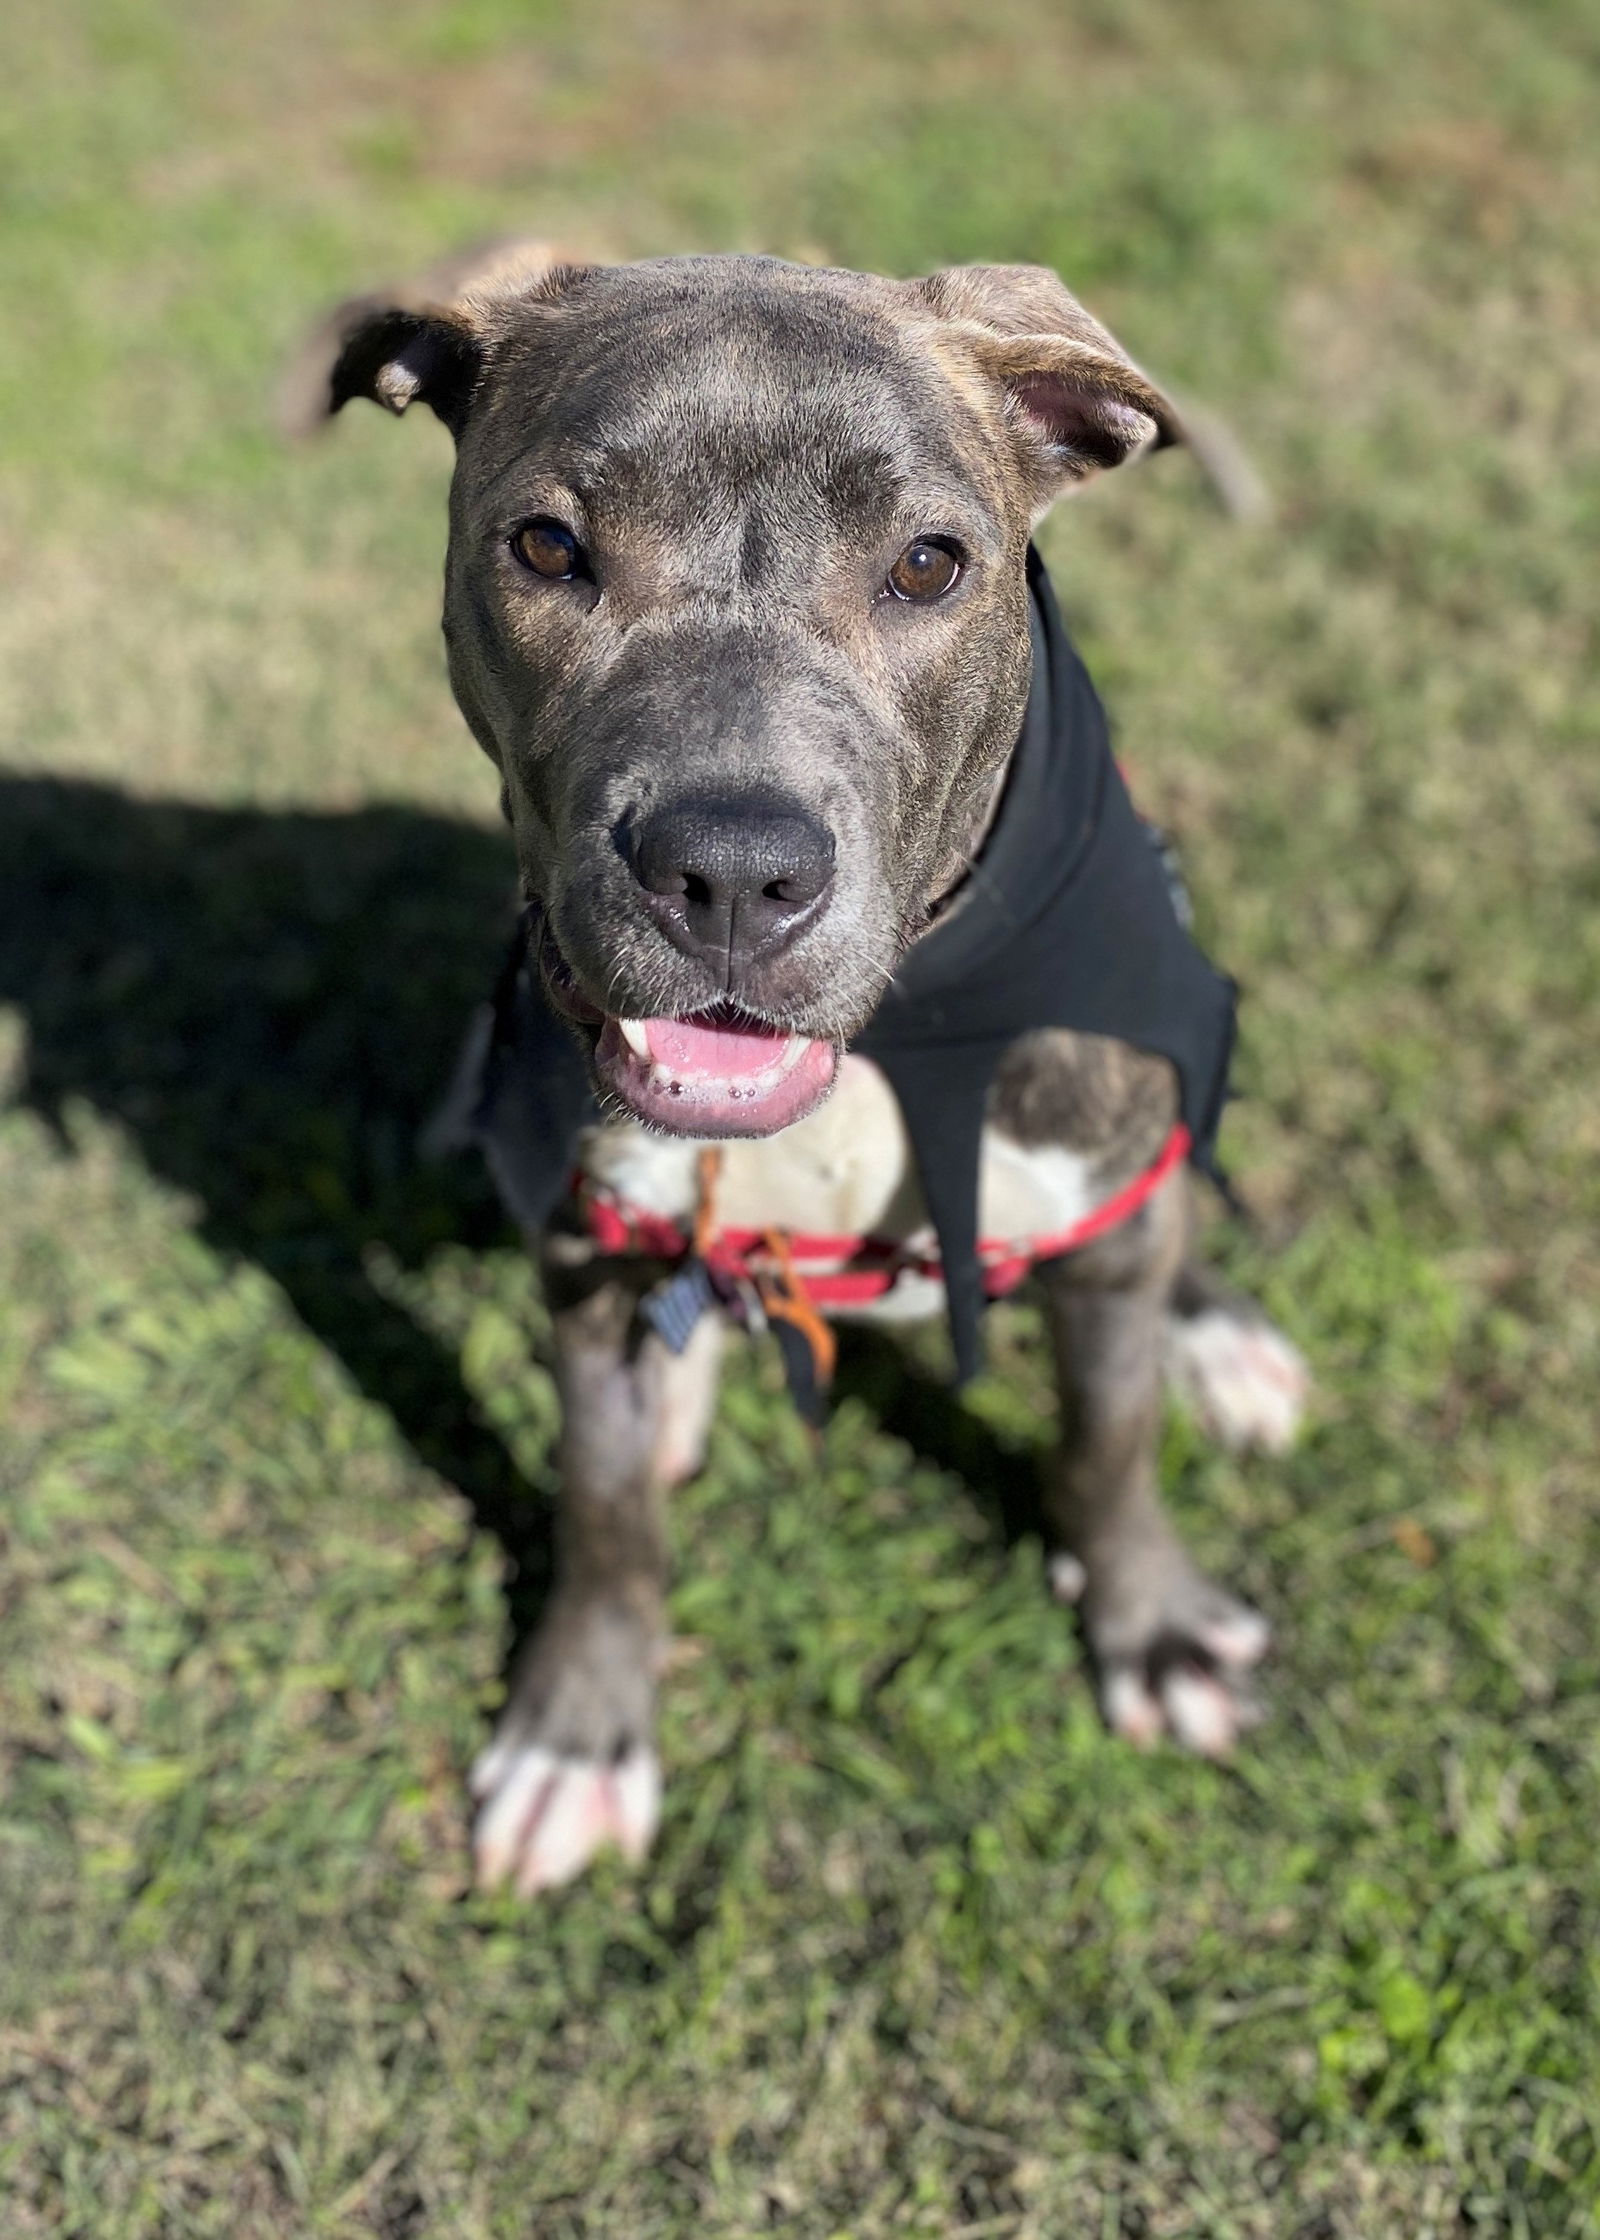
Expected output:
(692, 1050)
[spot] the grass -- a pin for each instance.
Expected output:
(921, 1952)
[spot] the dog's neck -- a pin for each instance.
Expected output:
(950, 885)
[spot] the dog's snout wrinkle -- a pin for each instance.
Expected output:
(729, 878)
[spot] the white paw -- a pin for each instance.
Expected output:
(542, 1818)
(1191, 1684)
(1243, 1380)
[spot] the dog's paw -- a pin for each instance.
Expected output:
(1242, 1379)
(571, 1769)
(1178, 1665)
(542, 1817)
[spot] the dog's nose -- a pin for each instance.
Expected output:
(732, 877)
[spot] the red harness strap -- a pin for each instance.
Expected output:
(875, 1264)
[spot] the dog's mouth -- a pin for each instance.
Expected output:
(714, 1073)
(720, 1071)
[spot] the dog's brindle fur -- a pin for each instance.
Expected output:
(743, 447)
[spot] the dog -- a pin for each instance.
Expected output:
(741, 603)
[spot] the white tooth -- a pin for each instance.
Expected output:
(633, 1034)
(793, 1051)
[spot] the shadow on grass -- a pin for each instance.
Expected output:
(271, 1002)
(933, 1420)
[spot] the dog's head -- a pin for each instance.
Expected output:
(736, 602)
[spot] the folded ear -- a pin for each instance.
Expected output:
(1073, 399)
(427, 342)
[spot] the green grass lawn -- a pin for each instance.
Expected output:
(921, 1953)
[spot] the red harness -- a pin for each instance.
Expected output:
(873, 1264)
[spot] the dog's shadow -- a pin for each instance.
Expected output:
(271, 1003)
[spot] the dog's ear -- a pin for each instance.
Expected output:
(427, 342)
(1072, 397)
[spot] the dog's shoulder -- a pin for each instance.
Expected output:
(1100, 1100)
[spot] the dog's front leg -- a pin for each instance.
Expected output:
(573, 1766)
(1172, 1652)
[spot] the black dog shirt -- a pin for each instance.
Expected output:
(1068, 918)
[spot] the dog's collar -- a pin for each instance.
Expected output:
(784, 1279)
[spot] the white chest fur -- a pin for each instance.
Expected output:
(846, 1171)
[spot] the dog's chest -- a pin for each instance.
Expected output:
(844, 1172)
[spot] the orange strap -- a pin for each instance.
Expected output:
(785, 1298)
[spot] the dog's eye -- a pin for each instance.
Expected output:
(925, 570)
(549, 549)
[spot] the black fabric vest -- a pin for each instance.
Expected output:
(1068, 918)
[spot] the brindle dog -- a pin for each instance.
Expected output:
(735, 603)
